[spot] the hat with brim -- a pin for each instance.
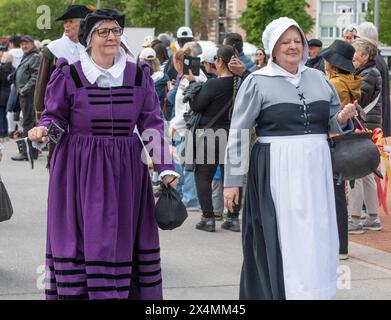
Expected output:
(99, 15)
(209, 55)
(75, 12)
(340, 54)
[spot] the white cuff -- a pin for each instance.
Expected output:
(40, 145)
(169, 172)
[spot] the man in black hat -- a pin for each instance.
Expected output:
(67, 47)
(315, 60)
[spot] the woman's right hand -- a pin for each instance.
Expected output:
(231, 198)
(38, 134)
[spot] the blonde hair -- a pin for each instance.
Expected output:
(179, 56)
(366, 46)
(154, 64)
(7, 57)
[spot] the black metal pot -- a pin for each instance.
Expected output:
(354, 156)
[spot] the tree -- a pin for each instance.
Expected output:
(260, 13)
(163, 15)
(21, 16)
(384, 19)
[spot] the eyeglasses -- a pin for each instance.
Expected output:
(104, 32)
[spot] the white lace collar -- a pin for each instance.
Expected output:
(92, 71)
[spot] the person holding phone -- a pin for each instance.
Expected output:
(215, 97)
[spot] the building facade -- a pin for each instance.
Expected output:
(333, 16)
(219, 17)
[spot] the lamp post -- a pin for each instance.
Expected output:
(377, 14)
(217, 21)
(187, 13)
(98, 4)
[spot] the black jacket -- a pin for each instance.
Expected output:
(371, 86)
(382, 67)
(5, 71)
(27, 72)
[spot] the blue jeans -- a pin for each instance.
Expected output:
(12, 99)
(186, 186)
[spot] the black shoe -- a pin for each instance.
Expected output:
(232, 224)
(206, 224)
(20, 157)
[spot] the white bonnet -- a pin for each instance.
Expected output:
(274, 31)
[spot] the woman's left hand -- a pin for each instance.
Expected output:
(349, 111)
(171, 180)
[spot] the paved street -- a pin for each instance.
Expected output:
(196, 265)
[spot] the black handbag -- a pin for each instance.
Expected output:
(170, 212)
(6, 210)
(196, 134)
(354, 156)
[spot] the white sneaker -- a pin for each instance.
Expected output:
(355, 228)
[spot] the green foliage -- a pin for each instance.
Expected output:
(20, 16)
(384, 19)
(163, 15)
(260, 13)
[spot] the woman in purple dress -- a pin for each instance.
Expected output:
(102, 239)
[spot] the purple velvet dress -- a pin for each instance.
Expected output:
(102, 237)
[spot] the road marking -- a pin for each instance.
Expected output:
(370, 265)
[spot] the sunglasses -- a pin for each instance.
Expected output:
(104, 32)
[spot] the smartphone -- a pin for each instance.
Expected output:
(193, 64)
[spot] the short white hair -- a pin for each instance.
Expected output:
(368, 30)
(195, 47)
(351, 28)
(366, 46)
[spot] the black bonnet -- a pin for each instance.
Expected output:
(91, 19)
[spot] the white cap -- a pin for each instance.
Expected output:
(148, 54)
(184, 32)
(147, 41)
(45, 42)
(209, 55)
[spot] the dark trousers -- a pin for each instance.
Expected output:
(204, 174)
(27, 107)
(3, 122)
(342, 217)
